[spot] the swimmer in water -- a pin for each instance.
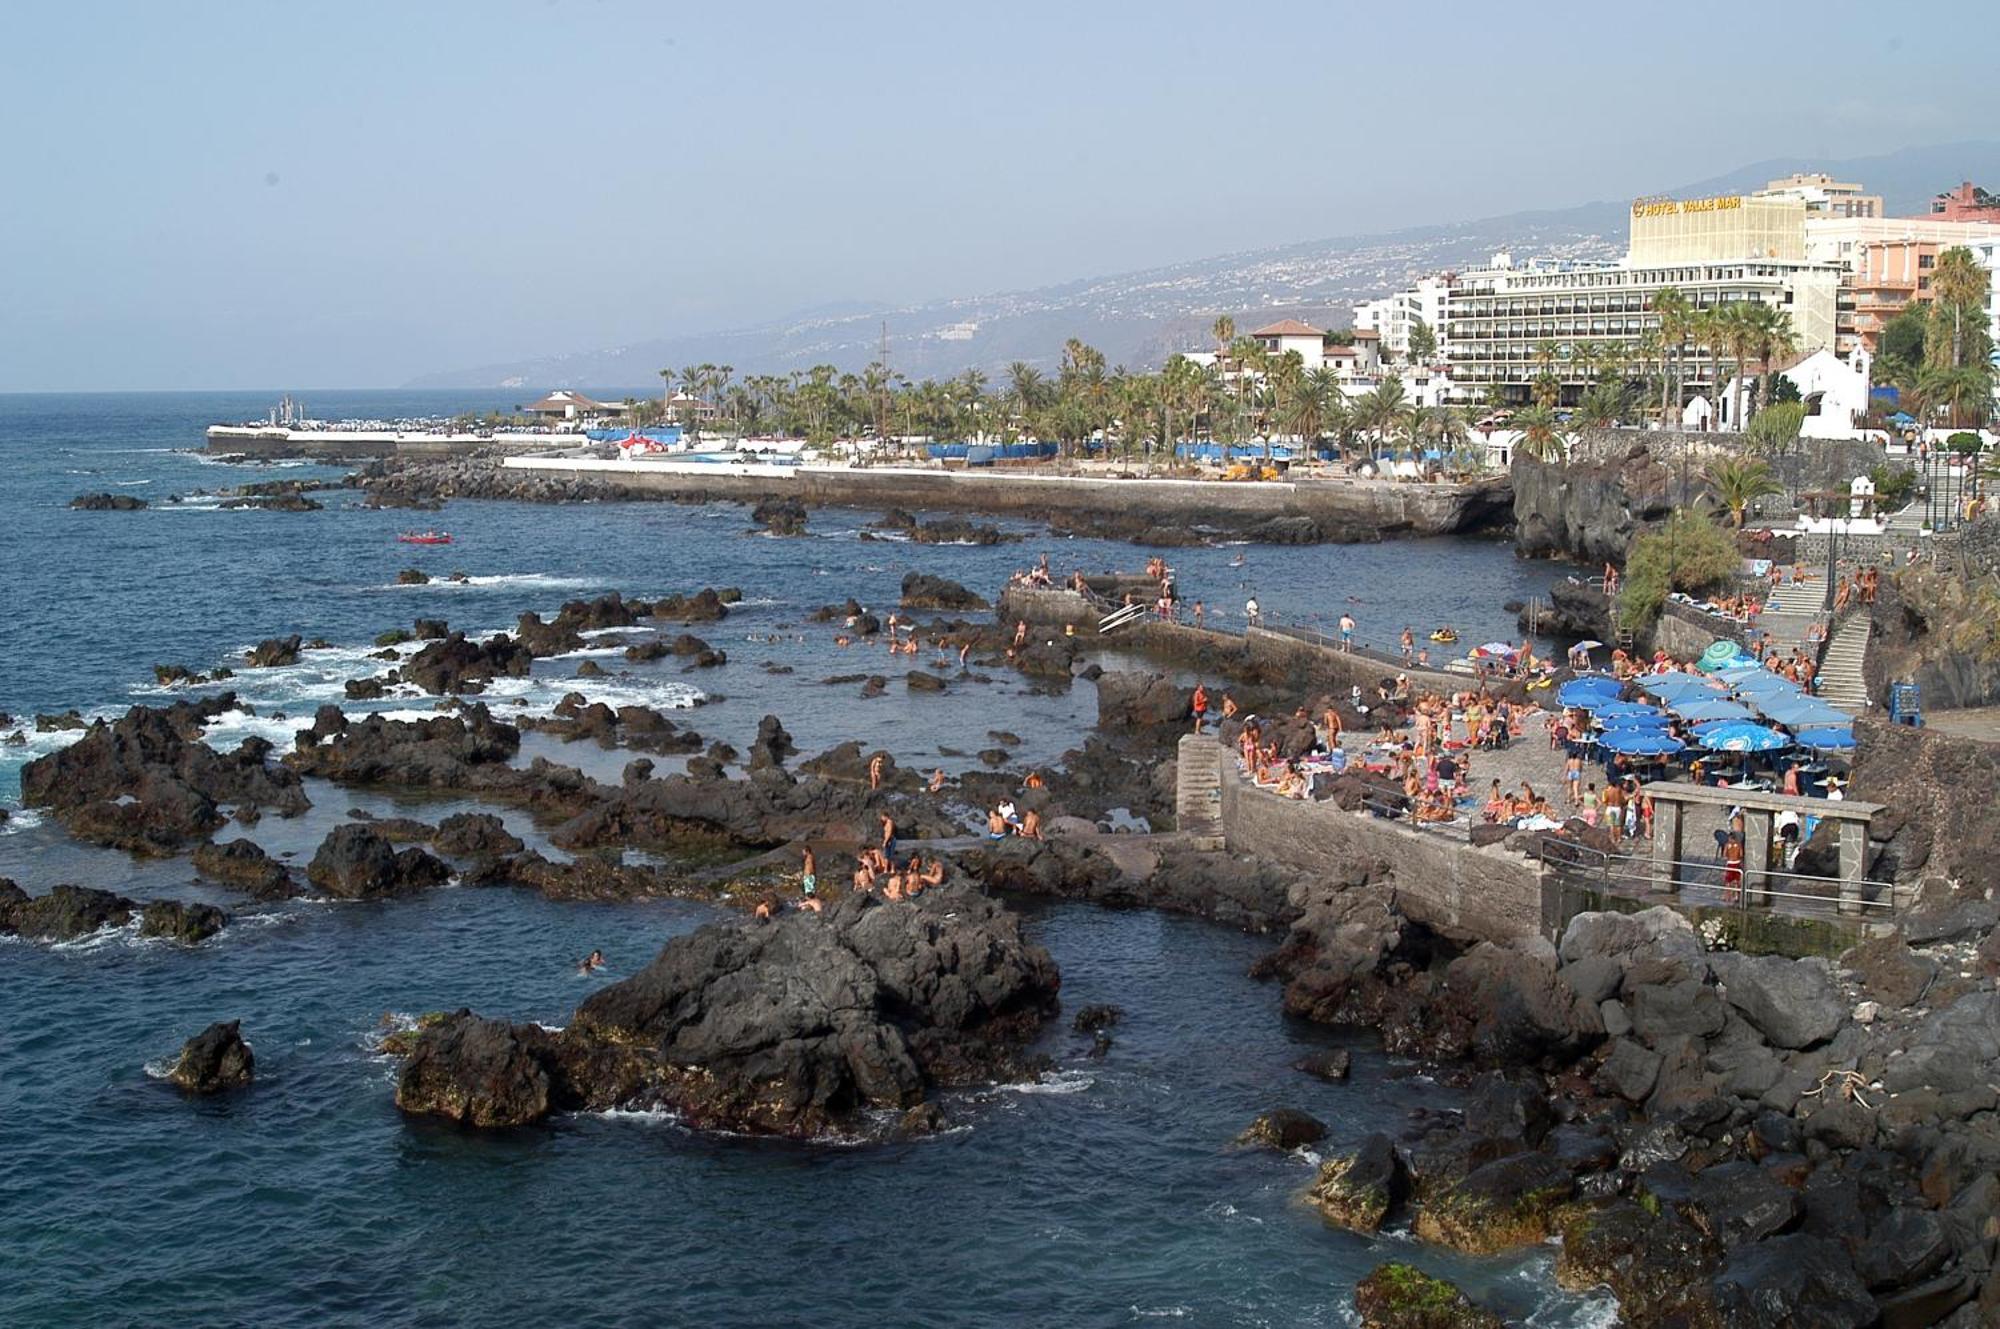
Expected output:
(592, 963)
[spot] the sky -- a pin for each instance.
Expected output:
(211, 195)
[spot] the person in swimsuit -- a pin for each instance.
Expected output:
(592, 963)
(809, 875)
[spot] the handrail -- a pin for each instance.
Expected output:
(1598, 862)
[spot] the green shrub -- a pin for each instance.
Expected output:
(1690, 553)
(1965, 443)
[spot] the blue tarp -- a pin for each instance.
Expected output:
(984, 454)
(1217, 452)
(665, 435)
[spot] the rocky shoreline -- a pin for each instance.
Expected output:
(1720, 1139)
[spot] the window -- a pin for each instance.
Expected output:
(1926, 260)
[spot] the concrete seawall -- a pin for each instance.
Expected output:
(1441, 880)
(1342, 509)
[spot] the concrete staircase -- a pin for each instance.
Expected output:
(1198, 790)
(1841, 680)
(1789, 612)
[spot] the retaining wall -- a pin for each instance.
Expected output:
(1440, 878)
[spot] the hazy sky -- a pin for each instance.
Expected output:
(200, 195)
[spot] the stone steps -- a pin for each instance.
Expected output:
(1198, 790)
(1842, 681)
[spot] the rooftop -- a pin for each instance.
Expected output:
(1288, 327)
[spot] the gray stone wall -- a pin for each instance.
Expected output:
(1440, 879)
(1685, 632)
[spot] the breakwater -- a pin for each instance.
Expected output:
(273, 442)
(1285, 511)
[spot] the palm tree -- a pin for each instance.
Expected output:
(1541, 433)
(1224, 332)
(1710, 328)
(1738, 327)
(1771, 338)
(1603, 403)
(1958, 288)
(1378, 411)
(1966, 389)
(1676, 322)
(1025, 387)
(1737, 482)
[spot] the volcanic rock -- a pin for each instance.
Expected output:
(356, 863)
(1402, 1296)
(1360, 1188)
(214, 1060)
(921, 590)
(64, 914)
(188, 924)
(786, 1026)
(274, 651)
(244, 865)
(107, 503)
(141, 783)
(1283, 1129)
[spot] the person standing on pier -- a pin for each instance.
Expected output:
(1409, 643)
(1251, 614)
(1347, 632)
(1199, 705)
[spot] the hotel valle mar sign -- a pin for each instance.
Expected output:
(1669, 207)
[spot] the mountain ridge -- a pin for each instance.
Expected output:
(1141, 316)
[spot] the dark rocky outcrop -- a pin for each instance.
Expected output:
(788, 1026)
(1283, 1128)
(1360, 1188)
(214, 1060)
(245, 866)
(1588, 510)
(1402, 1296)
(357, 863)
(475, 835)
(468, 752)
(146, 784)
(781, 516)
(454, 664)
(66, 913)
(273, 652)
(704, 606)
(107, 503)
(187, 924)
(921, 590)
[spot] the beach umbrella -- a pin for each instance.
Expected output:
(1589, 690)
(1737, 673)
(1496, 648)
(1639, 743)
(1801, 712)
(1722, 655)
(1741, 736)
(1827, 740)
(1677, 687)
(1654, 723)
(1588, 644)
(1616, 710)
(1763, 683)
(1711, 709)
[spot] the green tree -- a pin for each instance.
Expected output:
(1378, 411)
(1423, 342)
(1737, 482)
(1775, 428)
(1690, 553)
(1959, 289)
(1542, 436)
(1676, 317)
(1603, 403)
(1770, 338)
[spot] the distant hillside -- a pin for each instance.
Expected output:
(1138, 318)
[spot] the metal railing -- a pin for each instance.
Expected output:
(1641, 875)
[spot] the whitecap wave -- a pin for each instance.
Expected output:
(18, 820)
(538, 581)
(1052, 1082)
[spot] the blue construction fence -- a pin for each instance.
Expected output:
(664, 435)
(985, 454)
(1219, 452)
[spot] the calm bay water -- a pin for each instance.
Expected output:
(1104, 1194)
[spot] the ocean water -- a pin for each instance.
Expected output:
(1103, 1194)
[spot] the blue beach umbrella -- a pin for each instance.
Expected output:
(1741, 736)
(1712, 708)
(1589, 690)
(1614, 710)
(1764, 684)
(1676, 687)
(1722, 655)
(1828, 740)
(1639, 742)
(1800, 712)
